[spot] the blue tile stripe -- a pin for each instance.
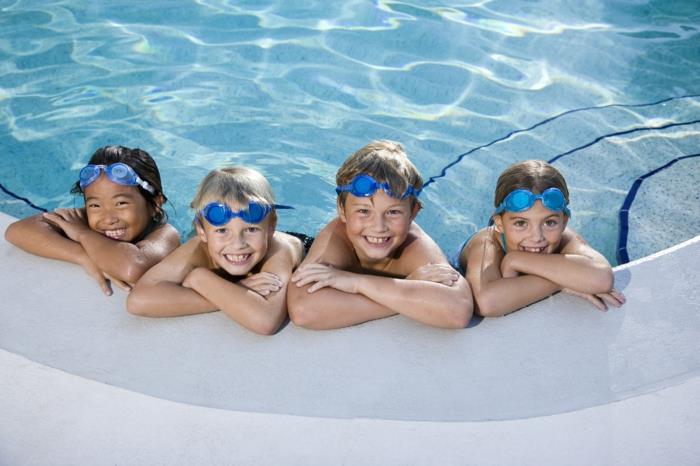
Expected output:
(27, 201)
(459, 158)
(621, 253)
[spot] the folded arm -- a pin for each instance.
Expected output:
(495, 295)
(119, 259)
(160, 293)
(578, 267)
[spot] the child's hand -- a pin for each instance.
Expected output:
(601, 300)
(436, 273)
(192, 277)
(507, 269)
(98, 276)
(71, 221)
(322, 275)
(121, 284)
(263, 283)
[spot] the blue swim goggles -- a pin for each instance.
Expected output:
(523, 199)
(119, 173)
(364, 185)
(219, 214)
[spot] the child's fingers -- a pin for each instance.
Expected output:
(318, 285)
(619, 296)
(611, 299)
(105, 286)
(597, 302)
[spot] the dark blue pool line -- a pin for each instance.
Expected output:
(621, 133)
(459, 158)
(27, 201)
(621, 254)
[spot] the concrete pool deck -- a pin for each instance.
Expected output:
(559, 382)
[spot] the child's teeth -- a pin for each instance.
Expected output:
(237, 258)
(115, 233)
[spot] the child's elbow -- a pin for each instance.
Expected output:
(460, 314)
(603, 281)
(301, 312)
(488, 307)
(11, 233)
(265, 327)
(137, 304)
(132, 272)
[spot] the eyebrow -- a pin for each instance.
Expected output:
(120, 194)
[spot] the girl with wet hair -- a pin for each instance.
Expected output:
(120, 232)
(529, 253)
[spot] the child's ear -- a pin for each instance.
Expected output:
(200, 231)
(417, 206)
(341, 210)
(159, 200)
(498, 222)
(272, 226)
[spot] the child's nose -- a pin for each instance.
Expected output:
(110, 216)
(538, 234)
(379, 223)
(239, 241)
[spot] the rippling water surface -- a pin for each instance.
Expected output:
(292, 88)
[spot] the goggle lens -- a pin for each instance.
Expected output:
(119, 173)
(364, 185)
(522, 199)
(219, 214)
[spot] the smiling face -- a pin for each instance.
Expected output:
(116, 211)
(237, 246)
(537, 230)
(377, 225)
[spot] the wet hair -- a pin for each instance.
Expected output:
(386, 162)
(533, 175)
(234, 185)
(144, 166)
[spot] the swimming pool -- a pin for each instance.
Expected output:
(609, 91)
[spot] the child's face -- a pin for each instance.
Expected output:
(537, 230)
(376, 225)
(116, 211)
(237, 246)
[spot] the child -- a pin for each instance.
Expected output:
(373, 261)
(529, 253)
(236, 263)
(119, 234)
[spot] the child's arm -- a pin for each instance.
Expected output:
(429, 302)
(578, 266)
(262, 311)
(330, 308)
(495, 295)
(119, 259)
(159, 292)
(39, 237)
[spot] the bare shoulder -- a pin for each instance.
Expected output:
(288, 245)
(574, 243)
(192, 253)
(332, 246)
(417, 250)
(165, 236)
(483, 248)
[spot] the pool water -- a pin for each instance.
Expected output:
(607, 91)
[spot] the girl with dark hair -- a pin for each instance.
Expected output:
(119, 234)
